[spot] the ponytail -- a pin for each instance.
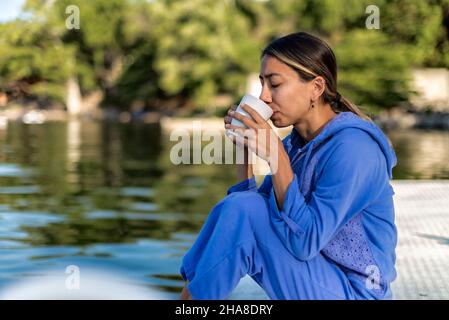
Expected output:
(341, 104)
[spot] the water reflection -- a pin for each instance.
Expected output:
(106, 195)
(422, 154)
(99, 195)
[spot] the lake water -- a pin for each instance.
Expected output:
(106, 197)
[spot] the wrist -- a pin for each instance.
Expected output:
(277, 157)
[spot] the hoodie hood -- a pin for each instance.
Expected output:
(295, 145)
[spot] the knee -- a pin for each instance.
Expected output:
(244, 199)
(246, 204)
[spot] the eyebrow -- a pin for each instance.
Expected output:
(269, 75)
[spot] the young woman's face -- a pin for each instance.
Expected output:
(284, 92)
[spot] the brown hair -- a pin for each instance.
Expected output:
(310, 57)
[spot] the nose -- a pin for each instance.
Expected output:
(265, 95)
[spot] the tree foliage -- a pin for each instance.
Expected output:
(192, 51)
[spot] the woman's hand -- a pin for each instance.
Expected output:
(260, 137)
(228, 118)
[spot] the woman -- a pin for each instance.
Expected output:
(321, 226)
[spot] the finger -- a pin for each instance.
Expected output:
(250, 134)
(253, 113)
(233, 108)
(227, 119)
(239, 140)
(245, 120)
(247, 132)
(234, 127)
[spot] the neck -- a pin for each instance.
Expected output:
(316, 119)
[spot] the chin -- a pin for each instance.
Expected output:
(278, 123)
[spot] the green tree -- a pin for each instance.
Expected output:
(423, 26)
(201, 48)
(187, 53)
(373, 72)
(33, 61)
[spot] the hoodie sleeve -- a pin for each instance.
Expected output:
(352, 176)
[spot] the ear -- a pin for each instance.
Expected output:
(318, 87)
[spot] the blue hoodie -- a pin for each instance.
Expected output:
(340, 202)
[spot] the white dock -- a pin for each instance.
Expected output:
(422, 218)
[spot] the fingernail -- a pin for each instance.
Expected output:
(232, 112)
(227, 125)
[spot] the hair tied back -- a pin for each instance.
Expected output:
(337, 98)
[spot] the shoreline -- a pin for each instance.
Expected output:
(400, 119)
(387, 120)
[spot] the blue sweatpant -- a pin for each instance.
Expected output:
(237, 239)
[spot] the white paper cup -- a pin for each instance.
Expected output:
(261, 108)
